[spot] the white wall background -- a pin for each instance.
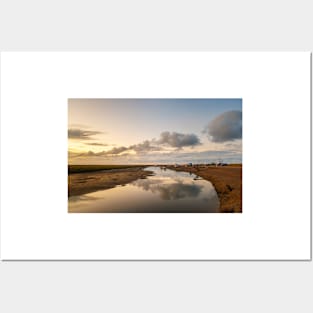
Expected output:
(275, 88)
(150, 286)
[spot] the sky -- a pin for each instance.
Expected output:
(150, 131)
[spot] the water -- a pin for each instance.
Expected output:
(166, 191)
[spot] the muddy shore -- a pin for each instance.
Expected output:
(227, 181)
(82, 183)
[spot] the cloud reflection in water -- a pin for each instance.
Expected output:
(173, 191)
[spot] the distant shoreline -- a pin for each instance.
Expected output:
(96, 168)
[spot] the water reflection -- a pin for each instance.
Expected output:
(174, 191)
(166, 191)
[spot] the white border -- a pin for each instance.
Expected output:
(275, 88)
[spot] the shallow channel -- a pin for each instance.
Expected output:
(166, 191)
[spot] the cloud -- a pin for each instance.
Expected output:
(174, 191)
(138, 148)
(173, 140)
(144, 147)
(225, 127)
(77, 133)
(115, 150)
(178, 140)
(97, 144)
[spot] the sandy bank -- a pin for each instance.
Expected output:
(227, 181)
(82, 183)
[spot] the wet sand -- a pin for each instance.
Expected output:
(227, 181)
(82, 183)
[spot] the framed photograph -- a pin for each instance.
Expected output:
(155, 155)
(91, 142)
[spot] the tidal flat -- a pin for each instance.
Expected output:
(89, 178)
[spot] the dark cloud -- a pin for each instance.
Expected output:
(225, 127)
(77, 133)
(178, 140)
(97, 144)
(115, 150)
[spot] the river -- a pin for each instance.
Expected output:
(167, 191)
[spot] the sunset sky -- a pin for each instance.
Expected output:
(126, 131)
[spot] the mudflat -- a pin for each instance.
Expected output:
(227, 181)
(82, 183)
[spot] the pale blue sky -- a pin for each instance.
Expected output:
(125, 122)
